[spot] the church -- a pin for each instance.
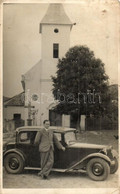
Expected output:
(55, 29)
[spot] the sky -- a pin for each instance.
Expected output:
(96, 27)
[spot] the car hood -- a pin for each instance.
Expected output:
(86, 145)
(6, 144)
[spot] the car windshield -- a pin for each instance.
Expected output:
(70, 137)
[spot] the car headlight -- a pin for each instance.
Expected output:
(104, 150)
(114, 153)
(4, 147)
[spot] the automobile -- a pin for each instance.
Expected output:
(98, 161)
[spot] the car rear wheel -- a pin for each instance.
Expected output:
(13, 163)
(98, 169)
(114, 168)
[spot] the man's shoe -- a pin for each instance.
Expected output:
(44, 177)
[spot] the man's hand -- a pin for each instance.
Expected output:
(63, 148)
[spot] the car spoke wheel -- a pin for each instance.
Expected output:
(114, 168)
(98, 169)
(13, 163)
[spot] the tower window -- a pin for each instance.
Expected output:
(56, 30)
(55, 50)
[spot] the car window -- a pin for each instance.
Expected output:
(24, 137)
(27, 137)
(70, 137)
(58, 135)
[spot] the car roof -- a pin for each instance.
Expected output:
(56, 129)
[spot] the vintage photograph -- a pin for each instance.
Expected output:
(60, 95)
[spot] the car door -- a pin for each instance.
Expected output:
(27, 146)
(71, 155)
(67, 158)
(63, 159)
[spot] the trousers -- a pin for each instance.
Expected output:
(47, 160)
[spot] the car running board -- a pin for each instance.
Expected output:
(57, 169)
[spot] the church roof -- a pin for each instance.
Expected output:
(56, 15)
(32, 71)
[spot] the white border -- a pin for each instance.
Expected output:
(47, 191)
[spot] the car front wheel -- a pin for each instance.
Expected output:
(98, 169)
(13, 163)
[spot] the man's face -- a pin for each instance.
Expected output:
(47, 124)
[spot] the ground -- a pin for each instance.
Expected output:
(29, 179)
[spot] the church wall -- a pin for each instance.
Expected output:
(48, 38)
(41, 88)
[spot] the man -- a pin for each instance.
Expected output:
(45, 138)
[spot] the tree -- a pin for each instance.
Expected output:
(81, 84)
(113, 106)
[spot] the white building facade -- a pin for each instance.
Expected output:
(55, 29)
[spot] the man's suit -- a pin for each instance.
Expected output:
(46, 139)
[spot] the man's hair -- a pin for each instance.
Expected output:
(45, 121)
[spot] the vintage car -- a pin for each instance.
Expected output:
(98, 161)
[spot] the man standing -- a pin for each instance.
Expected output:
(45, 138)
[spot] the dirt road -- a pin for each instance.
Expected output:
(29, 179)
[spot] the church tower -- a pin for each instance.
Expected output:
(55, 30)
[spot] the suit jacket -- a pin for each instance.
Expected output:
(45, 139)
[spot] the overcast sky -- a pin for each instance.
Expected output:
(96, 26)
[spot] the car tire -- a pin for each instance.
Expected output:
(98, 169)
(13, 163)
(114, 168)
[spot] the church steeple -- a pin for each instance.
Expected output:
(55, 15)
(55, 38)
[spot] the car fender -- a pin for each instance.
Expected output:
(17, 151)
(98, 155)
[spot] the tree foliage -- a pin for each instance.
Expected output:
(112, 112)
(80, 84)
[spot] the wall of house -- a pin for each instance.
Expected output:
(11, 110)
(8, 114)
